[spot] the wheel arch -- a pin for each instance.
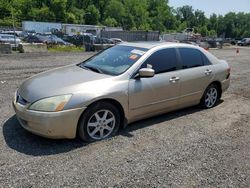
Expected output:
(218, 84)
(115, 103)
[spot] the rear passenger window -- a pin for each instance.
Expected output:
(205, 60)
(162, 61)
(190, 58)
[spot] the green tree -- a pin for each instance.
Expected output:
(203, 31)
(213, 22)
(160, 15)
(182, 26)
(5, 13)
(71, 18)
(58, 7)
(115, 12)
(101, 6)
(212, 33)
(220, 26)
(5, 9)
(79, 15)
(129, 14)
(42, 14)
(136, 14)
(200, 18)
(92, 15)
(186, 14)
(229, 23)
(111, 22)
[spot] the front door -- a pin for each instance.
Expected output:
(159, 93)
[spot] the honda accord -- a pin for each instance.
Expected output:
(120, 85)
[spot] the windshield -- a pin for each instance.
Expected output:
(115, 60)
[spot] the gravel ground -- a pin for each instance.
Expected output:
(187, 148)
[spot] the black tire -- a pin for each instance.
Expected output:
(89, 115)
(209, 102)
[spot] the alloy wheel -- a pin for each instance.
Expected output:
(101, 124)
(211, 97)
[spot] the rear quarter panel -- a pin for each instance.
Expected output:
(220, 74)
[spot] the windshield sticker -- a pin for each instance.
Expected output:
(139, 52)
(133, 57)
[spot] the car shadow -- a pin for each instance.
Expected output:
(160, 118)
(22, 141)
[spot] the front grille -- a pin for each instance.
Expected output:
(21, 100)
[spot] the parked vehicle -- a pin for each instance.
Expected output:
(232, 41)
(244, 42)
(23, 34)
(48, 39)
(67, 38)
(215, 42)
(191, 42)
(11, 39)
(87, 40)
(90, 41)
(36, 39)
(116, 40)
(106, 41)
(16, 33)
(56, 40)
(120, 85)
(80, 40)
(203, 44)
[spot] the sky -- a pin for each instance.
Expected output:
(214, 6)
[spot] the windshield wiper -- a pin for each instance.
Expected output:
(95, 69)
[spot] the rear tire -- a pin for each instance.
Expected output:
(210, 97)
(100, 121)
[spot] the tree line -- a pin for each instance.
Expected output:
(129, 14)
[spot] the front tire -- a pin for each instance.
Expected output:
(210, 96)
(100, 121)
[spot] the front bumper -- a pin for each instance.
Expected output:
(54, 125)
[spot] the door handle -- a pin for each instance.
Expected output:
(174, 79)
(208, 72)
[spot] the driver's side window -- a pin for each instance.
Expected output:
(164, 60)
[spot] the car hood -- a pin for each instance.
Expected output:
(60, 81)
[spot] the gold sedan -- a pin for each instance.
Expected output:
(120, 85)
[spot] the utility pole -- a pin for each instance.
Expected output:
(13, 24)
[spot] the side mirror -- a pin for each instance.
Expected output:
(146, 72)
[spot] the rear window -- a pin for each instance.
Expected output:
(205, 59)
(191, 58)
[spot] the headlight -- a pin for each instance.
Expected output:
(51, 104)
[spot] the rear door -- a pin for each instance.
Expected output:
(161, 92)
(197, 73)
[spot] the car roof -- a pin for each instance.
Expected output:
(149, 45)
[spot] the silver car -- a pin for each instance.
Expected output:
(123, 84)
(11, 39)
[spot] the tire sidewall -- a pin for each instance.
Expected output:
(82, 126)
(203, 102)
